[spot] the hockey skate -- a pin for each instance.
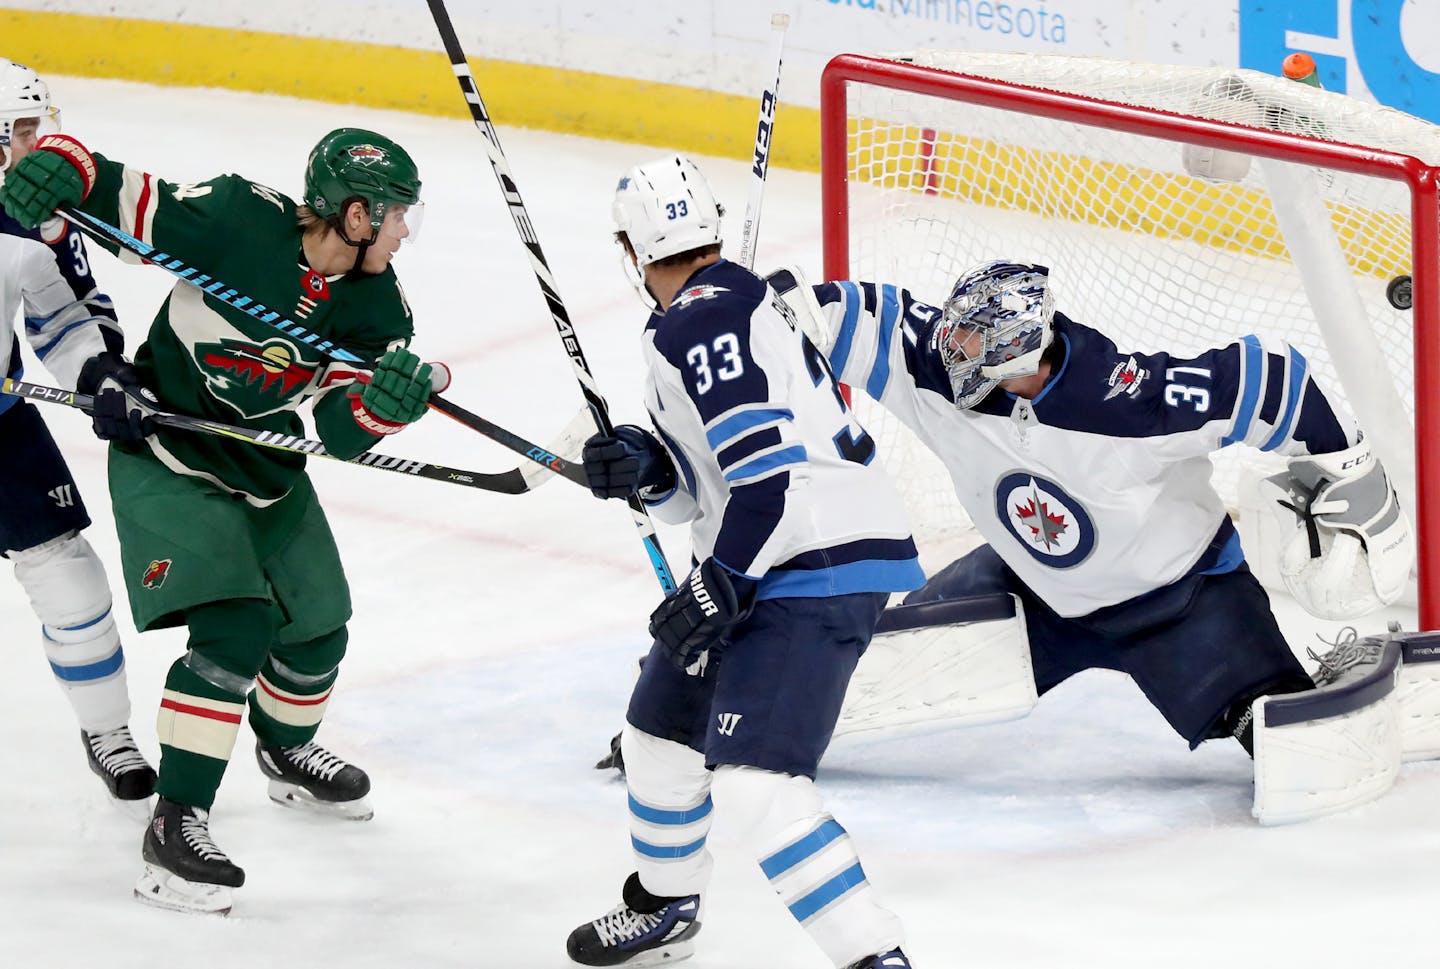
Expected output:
(644, 930)
(184, 869)
(311, 778)
(894, 959)
(116, 760)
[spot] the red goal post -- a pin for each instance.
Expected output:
(932, 161)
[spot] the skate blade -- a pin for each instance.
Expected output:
(295, 796)
(167, 890)
(663, 956)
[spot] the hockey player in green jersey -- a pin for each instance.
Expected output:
(220, 536)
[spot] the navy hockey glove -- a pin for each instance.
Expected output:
(711, 602)
(617, 466)
(122, 407)
(59, 172)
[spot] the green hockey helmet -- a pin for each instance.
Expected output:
(352, 163)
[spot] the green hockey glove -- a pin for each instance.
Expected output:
(59, 172)
(395, 395)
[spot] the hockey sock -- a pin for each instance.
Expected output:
(294, 687)
(670, 813)
(809, 859)
(204, 698)
(71, 597)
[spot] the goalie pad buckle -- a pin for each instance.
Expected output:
(950, 663)
(1331, 748)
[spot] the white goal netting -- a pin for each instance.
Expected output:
(1141, 245)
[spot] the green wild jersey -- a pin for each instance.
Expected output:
(211, 360)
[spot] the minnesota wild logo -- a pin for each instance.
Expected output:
(254, 378)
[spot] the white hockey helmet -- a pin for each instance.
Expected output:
(1010, 306)
(22, 95)
(663, 208)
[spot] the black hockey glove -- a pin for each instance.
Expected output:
(619, 465)
(711, 602)
(122, 406)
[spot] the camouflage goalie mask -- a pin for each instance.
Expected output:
(995, 325)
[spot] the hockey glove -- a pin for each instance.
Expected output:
(395, 394)
(617, 466)
(1350, 549)
(122, 407)
(711, 602)
(59, 172)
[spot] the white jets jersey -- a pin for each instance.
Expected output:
(46, 277)
(1097, 490)
(774, 474)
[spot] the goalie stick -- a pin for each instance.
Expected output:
(543, 276)
(516, 481)
(764, 138)
(216, 289)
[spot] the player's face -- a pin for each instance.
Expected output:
(393, 231)
(23, 135)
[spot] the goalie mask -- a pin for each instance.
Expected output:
(664, 208)
(352, 164)
(995, 325)
(22, 95)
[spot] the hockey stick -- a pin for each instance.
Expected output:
(764, 135)
(228, 295)
(543, 275)
(513, 482)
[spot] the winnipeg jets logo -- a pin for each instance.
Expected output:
(1126, 379)
(697, 293)
(1047, 522)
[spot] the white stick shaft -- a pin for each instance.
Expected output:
(764, 133)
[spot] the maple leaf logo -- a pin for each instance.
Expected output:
(1045, 528)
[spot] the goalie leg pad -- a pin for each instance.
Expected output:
(1417, 695)
(954, 662)
(1325, 750)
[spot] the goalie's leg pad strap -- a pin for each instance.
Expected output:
(808, 858)
(1325, 750)
(670, 812)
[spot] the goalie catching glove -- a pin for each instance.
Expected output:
(1350, 548)
(396, 392)
(123, 408)
(711, 602)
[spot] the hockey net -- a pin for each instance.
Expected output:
(933, 162)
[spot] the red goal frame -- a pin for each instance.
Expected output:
(1423, 181)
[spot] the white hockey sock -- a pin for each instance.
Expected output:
(70, 595)
(670, 813)
(810, 861)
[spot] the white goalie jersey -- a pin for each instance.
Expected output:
(1098, 490)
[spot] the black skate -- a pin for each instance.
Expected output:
(116, 760)
(894, 959)
(184, 869)
(313, 779)
(644, 930)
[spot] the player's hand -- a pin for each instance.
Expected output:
(711, 602)
(396, 393)
(59, 172)
(620, 464)
(122, 407)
